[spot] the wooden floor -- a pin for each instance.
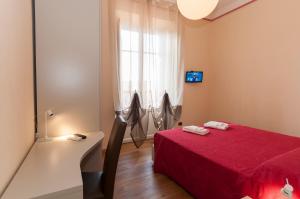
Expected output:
(135, 177)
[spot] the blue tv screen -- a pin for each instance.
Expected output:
(194, 76)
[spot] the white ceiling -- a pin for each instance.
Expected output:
(226, 6)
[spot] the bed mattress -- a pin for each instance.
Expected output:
(229, 164)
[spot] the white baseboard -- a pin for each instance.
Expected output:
(129, 140)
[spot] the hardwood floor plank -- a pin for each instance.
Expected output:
(135, 178)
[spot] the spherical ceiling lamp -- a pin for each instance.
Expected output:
(196, 9)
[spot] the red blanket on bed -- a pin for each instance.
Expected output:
(229, 164)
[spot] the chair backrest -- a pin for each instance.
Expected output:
(112, 156)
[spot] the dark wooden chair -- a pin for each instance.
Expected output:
(100, 185)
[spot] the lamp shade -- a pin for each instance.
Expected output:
(196, 9)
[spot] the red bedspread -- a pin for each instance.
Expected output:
(228, 164)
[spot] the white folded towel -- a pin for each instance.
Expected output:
(217, 125)
(196, 129)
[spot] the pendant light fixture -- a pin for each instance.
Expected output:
(196, 9)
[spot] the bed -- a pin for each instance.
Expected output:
(229, 164)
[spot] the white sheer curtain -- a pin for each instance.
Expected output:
(147, 52)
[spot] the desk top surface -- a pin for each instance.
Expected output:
(52, 167)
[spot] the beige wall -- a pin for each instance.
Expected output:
(255, 66)
(16, 86)
(195, 96)
(67, 36)
(195, 59)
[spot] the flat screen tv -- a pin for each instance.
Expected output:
(194, 77)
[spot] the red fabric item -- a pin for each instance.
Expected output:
(226, 164)
(269, 178)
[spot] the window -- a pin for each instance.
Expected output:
(144, 66)
(129, 64)
(148, 50)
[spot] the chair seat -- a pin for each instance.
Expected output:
(91, 185)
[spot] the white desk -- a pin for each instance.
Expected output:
(52, 170)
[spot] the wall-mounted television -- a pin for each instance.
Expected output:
(194, 77)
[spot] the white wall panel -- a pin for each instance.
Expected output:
(68, 34)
